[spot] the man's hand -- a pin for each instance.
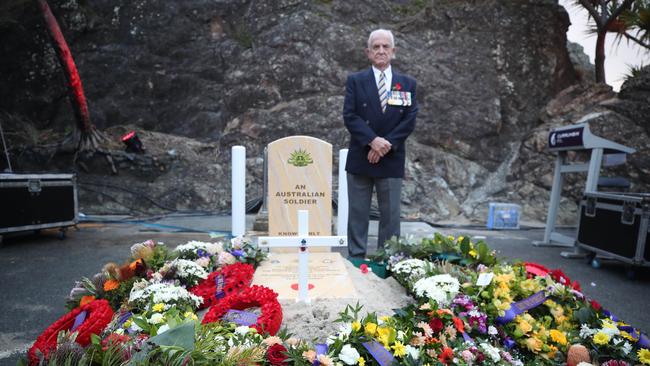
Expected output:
(380, 145)
(373, 157)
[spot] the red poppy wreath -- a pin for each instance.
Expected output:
(235, 278)
(266, 299)
(86, 320)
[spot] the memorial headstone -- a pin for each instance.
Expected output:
(299, 178)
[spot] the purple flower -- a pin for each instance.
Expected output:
(124, 317)
(237, 253)
(202, 253)
(509, 343)
(464, 301)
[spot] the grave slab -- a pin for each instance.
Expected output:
(328, 276)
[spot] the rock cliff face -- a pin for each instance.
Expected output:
(220, 73)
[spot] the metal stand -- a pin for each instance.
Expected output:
(573, 138)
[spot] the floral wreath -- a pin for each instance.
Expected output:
(237, 277)
(266, 299)
(98, 315)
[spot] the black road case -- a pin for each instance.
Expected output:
(616, 226)
(37, 201)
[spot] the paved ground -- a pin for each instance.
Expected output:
(38, 271)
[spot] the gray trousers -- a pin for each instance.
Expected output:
(359, 197)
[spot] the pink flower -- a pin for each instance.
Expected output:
(364, 268)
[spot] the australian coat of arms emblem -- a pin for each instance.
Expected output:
(300, 158)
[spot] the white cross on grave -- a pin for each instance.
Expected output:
(303, 242)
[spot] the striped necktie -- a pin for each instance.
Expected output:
(383, 93)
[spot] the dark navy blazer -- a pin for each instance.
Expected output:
(365, 121)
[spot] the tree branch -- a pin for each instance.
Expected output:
(593, 12)
(636, 40)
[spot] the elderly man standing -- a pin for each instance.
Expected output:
(379, 112)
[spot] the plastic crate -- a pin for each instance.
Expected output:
(503, 216)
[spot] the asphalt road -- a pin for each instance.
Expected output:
(38, 271)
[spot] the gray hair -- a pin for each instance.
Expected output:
(384, 32)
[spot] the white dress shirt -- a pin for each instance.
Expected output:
(388, 73)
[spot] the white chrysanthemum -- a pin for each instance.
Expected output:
(414, 352)
(627, 348)
(156, 318)
(192, 247)
(412, 268)
(166, 293)
(491, 351)
(345, 329)
(239, 242)
(586, 332)
(349, 355)
(188, 270)
(242, 330)
(440, 288)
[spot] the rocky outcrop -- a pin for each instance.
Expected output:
(219, 73)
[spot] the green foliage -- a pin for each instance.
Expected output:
(349, 314)
(633, 71)
(459, 250)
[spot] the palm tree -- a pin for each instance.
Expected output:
(621, 17)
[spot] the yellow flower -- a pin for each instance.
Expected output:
(398, 349)
(127, 324)
(533, 344)
(601, 338)
(472, 253)
(361, 361)
(524, 326)
(628, 336)
(384, 318)
(644, 356)
(500, 292)
(385, 335)
(609, 324)
(356, 326)
(189, 314)
(551, 352)
(158, 307)
(558, 337)
(529, 285)
(370, 329)
(460, 238)
(504, 277)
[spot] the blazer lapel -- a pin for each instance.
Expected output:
(370, 88)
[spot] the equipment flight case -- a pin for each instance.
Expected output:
(615, 225)
(37, 201)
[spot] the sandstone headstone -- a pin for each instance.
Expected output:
(299, 178)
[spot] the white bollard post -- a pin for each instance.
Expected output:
(303, 258)
(238, 190)
(342, 218)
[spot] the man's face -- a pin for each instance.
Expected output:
(380, 52)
